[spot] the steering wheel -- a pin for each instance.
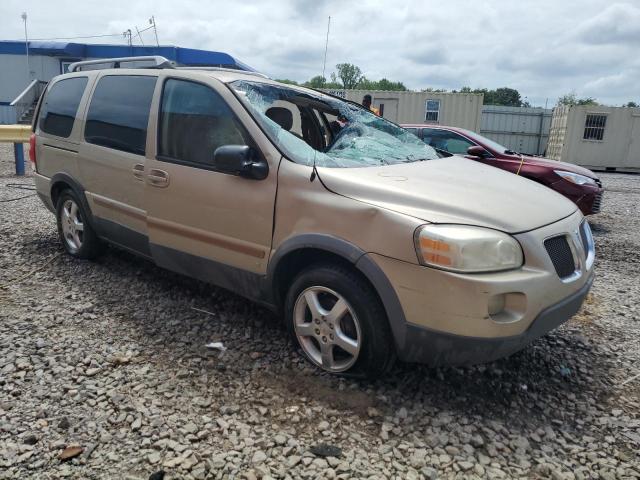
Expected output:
(356, 129)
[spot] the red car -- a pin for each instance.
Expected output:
(579, 184)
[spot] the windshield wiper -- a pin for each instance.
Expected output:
(511, 152)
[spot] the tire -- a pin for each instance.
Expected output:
(362, 329)
(76, 235)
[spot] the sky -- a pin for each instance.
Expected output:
(544, 49)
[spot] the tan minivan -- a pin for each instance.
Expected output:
(369, 244)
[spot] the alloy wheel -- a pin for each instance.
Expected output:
(327, 329)
(72, 225)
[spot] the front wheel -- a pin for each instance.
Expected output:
(338, 322)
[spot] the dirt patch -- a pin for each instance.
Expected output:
(323, 390)
(589, 312)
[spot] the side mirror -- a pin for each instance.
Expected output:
(240, 160)
(477, 151)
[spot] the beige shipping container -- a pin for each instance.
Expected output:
(462, 110)
(596, 137)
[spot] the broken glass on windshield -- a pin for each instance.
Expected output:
(314, 128)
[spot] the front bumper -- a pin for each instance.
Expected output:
(591, 203)
(588, 198)
(438, 348)
(448, 317)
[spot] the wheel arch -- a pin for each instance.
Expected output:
(296, 253)
(63, 181)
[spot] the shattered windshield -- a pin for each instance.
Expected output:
(315, 128)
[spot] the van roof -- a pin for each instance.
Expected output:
(225, 75)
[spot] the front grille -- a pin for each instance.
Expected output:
(597, 203)
(561, 255)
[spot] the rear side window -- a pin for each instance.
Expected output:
(119, 112)
(58, 112)
(194, 121)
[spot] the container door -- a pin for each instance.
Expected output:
(388, 108)
(633, 158)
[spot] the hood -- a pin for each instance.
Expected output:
(556, 165)
(452, 190)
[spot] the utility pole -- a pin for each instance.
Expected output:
(152, 21)
(139, 36)
(26, 45)
(326, 47)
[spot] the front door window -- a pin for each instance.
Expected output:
(446, 140)
(194, 121)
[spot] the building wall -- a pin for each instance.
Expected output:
(8, 115)
(619, 148)
(13, 73)
(521, 129)
(45, 58)
(456, 109)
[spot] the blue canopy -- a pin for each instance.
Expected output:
(78, 51)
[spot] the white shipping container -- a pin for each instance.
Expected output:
(521, 129)
(462, 110)
(596, 137)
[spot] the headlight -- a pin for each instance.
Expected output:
(576, 178)
(461, 248)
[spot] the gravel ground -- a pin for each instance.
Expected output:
(110, 357)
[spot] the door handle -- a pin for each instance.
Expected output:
(158, 178)
(138, 171)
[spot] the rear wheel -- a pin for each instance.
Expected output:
(76, 235)
(338, 322)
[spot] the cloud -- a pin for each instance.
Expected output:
(623, 83)
(427, 55)
(562, 61)
(617, 24)
(543, 49)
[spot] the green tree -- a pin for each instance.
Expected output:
(631, 105)
(349, 74)
(316, 82)
(287, 81)
(572, 99)
(435, 90)
(384, 84)
(366, 84)
(320, 82)
(506, 96)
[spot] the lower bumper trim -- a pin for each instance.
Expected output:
(440, 348)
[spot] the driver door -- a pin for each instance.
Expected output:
(204, 223)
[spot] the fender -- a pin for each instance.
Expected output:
(360, 260)
(62, 177)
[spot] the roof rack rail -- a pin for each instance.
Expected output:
(225, 69)
(154, 61)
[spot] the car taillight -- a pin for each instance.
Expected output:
(32, 149)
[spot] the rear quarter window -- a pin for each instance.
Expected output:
(60, 106)
(119, 112)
